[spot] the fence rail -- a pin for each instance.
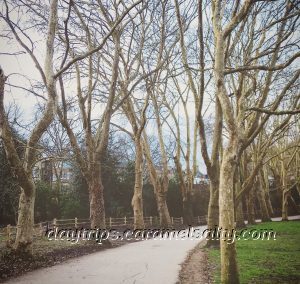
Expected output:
(8, 233)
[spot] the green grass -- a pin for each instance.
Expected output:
(267, 261)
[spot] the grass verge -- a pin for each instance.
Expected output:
(266, 261)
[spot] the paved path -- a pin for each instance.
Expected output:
(278, 219)
(145, 262)
(150, 261)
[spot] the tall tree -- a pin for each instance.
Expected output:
(198, 90)
(239, 135)
(22, 168)
(98, 74)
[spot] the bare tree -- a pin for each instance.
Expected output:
(22, 168)
(198, 91)
(283, 163)
(185, 177)
(239, 137)
(253, 55)
(90, 72)
(152, 59)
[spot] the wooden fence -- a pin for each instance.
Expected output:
(8, 233)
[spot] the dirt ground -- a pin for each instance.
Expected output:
(195, 268)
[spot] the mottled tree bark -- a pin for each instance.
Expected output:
(162, 208)
(213, 211)
(24, 237)
(226, 204)
(137, 200)
(213, 205)
(97, 209)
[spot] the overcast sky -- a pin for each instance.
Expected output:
(21, 70)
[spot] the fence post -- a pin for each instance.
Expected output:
(125, 220)
(181, 220)
(172, 220)
(110, 222)
(54, 222)
(199, 219)
(76, 223)
(8, 231)
(151, 222)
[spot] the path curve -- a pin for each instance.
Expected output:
(145, 262)
(150, 261)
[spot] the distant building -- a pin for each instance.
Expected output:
(171, 171)
(53, 172)
(201, 178)
(43, 171)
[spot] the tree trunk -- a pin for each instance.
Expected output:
(298, 188)
(24, 237)
(285, 196)
(188, 211)
(213, 210)
(240, 220)
(97, 211)
(187, 206)
(188, 215)
(294, 204)
(268, 202)
(267, 192)
(265, 216)
(285, 192)
(250, 207)
(162, 208)
(213, 205)
(229, 268)
(160, 185)
(137, 200)
(239, 214)
(185, 189)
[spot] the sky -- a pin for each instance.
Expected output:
(20, 70)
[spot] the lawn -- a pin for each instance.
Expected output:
(267, 261)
